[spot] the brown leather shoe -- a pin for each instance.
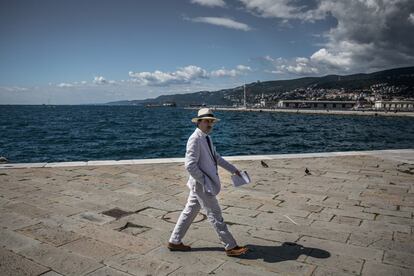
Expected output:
(237, 251)
(178, 247)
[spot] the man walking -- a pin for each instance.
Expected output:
(201, 160)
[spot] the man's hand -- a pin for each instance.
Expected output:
(238, 173)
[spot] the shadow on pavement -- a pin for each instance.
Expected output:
(273, 254)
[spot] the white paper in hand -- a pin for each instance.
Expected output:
(239, 181)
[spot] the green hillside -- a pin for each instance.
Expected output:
(399, 77)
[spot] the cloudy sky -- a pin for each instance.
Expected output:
(95, 51)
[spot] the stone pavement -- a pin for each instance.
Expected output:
(351, 215)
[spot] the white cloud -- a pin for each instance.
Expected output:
(297, 66)
(411, 18)
(97, 80)
(369, 35)
(243, 68)
(100, 80)
(189, 75)
(158, 78)
(185, 75)
(284, 9)
(340, 59)
(210, 3)
(140, 85)
(65, 85)
(223, 22)
(240, 70)
(13, 88)
(224, 73)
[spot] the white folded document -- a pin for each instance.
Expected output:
(239, 181)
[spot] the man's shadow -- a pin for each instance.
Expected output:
(273, 254)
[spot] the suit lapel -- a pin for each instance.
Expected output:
(205, 143)
(207, 147)
(211, 151)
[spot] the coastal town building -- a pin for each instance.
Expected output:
(316, 104)
(261, 103)
(394, 105)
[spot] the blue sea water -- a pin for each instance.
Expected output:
(47, 133)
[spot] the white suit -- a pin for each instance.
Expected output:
(201, 163)
(204, 184)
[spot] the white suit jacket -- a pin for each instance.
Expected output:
(202, 164)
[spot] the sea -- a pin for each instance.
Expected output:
(57, 133)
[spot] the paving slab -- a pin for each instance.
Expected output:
(11, 220)
(339, 248)
(197, 261)
(91, 248)
(380, 269)
(60, 260)
(108, 271)
(352, 215)
(12, 264)
(52, 235)
(399, 258)
(137, 264)
(15, 241)
(327, 271)
(342, 263)
(27, 210)
(230, 269)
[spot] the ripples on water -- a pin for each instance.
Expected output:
(80, 133)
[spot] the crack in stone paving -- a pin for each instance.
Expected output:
(130, 225)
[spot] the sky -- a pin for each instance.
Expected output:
(88, 51)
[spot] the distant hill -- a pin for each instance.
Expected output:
(401, 77)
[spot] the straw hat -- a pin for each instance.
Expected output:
(204, 113)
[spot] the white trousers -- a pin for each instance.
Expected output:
(197, 200)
